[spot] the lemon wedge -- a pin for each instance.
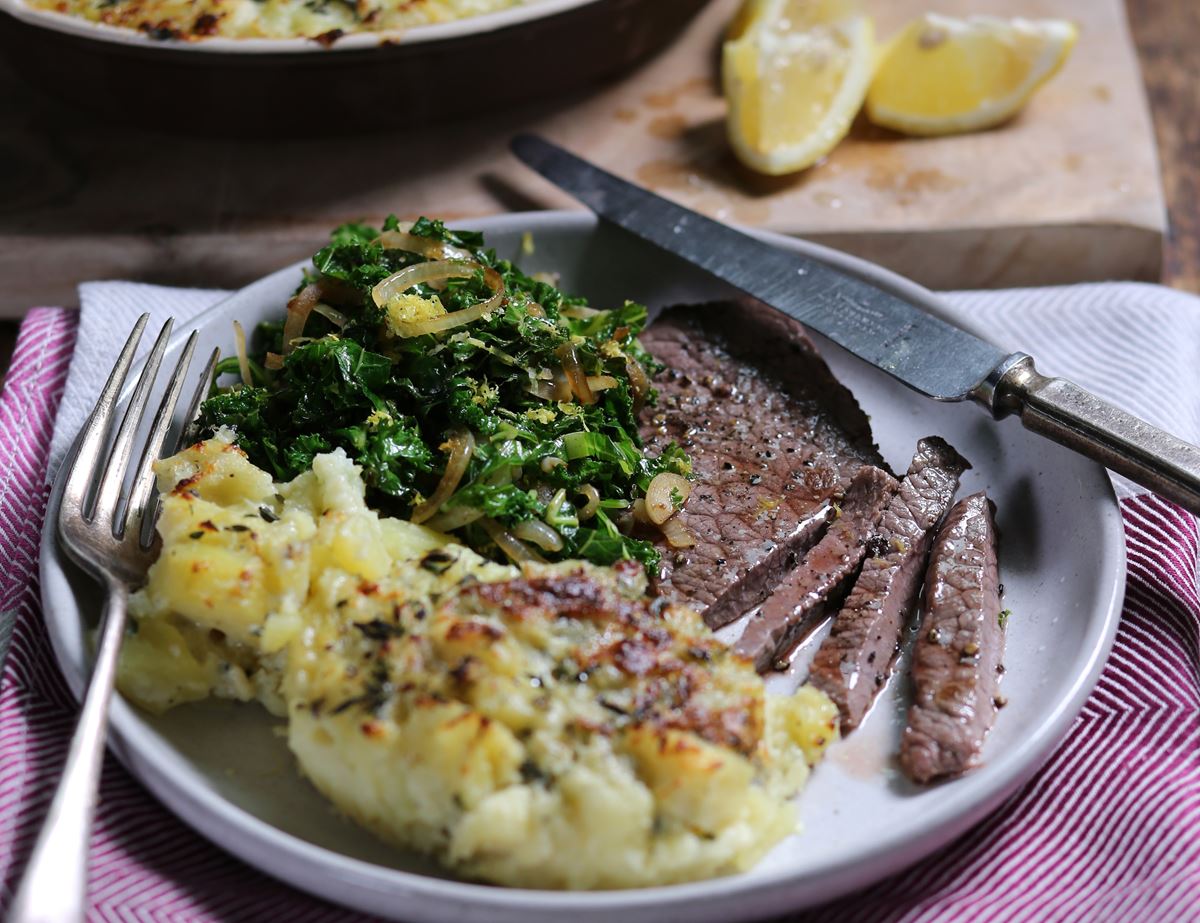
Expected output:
(941, 75)
(795, 73)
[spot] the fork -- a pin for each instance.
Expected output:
(115, 544)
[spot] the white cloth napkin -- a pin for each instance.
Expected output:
(1134, 344)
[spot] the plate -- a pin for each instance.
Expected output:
(219, 767)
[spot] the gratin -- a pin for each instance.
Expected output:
(319, 19)
(547, 725)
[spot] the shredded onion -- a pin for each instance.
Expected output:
(659, 505)
(639, 381)
(299, 306)
(239, 339)
(273, 361)
(676, 535)
(462, 446)
(578, 312)
(426, 246)
(536, 531)
(574, 372)
(421, 274)
(517, 551)
(489, 348)
(438, 271)
(592, 496)
(454, 518)
(555, 390)
(333, 315)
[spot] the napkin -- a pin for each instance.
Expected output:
(1108, 830)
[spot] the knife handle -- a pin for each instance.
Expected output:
(1069, 415)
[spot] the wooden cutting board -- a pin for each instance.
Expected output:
(1069, 191)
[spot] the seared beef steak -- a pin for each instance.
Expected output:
(956, 659)
(774, 440)
(824, 573)
(854, 661)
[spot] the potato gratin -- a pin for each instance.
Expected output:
(547, 725)
(319, 19)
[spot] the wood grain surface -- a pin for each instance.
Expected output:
(1167, 33)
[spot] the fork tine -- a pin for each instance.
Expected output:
(96, 429)
(143, 479)
(111, 482)
(187, 434)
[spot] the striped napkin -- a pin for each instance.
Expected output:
(1109, 830)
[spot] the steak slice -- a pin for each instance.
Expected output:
(956, 658)
(774, 440)
(824, 573)
(854, 661)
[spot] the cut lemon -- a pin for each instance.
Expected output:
(941, 75)
(795, 75)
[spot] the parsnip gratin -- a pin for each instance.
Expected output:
(318, 19)
(540, 725)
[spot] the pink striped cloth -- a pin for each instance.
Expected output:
(1109, 830)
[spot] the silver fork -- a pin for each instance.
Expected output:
(115, 544)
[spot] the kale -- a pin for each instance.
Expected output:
(392, 402)
(431, 227)
(348, 378)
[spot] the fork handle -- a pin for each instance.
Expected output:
(53, 888)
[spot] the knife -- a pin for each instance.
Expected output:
(925, 353)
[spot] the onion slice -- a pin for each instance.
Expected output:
(591, 498)
(516, 550)
(439, 271)
(660, 506)
(542, 535)
(676, 534)
(578, 312)
(454, 518)
(557, 389)
(427, 247)
(299, 306)
(639, 381)
(461, 445)
(421, 274)
(333, 315)
(575, 374)
(239, 339)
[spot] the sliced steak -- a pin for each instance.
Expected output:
(823, 575)
(956, 658)
(854, 661)
(774, 440)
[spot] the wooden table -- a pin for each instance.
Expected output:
(1167, 33)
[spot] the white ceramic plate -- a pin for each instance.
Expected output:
(456, 28)
(219, 767)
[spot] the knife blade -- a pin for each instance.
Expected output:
(929, 355)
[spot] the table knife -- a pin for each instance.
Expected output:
(929, 355)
